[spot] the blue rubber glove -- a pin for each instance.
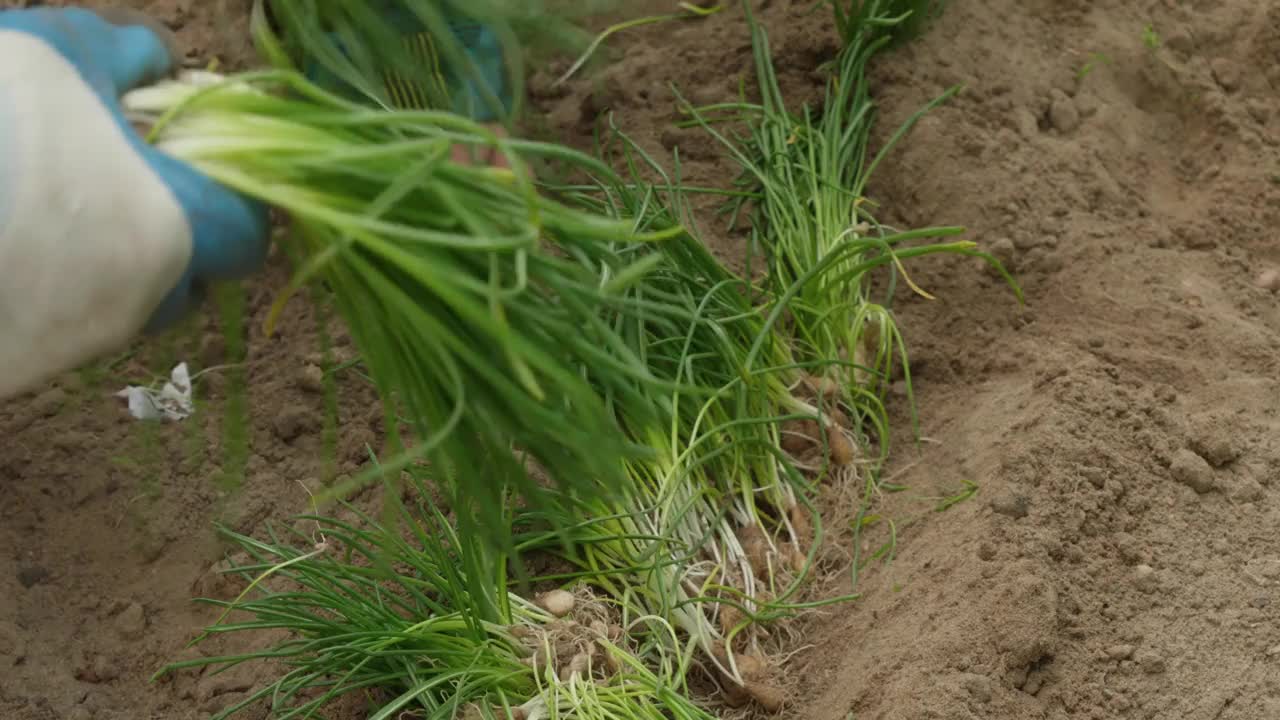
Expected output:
(102, 237)
(480, 42)
(485, 50)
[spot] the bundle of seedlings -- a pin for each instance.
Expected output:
(475, 298)
(718, 524)
(805, 177)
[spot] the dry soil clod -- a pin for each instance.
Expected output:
(800, 522)
(755, 546)
(769, 697)
(758, 683)
(1193, 471)
(799, 435)
(797, 559)
(311, 379)
(1269, 280)
(579, 666)
(730, 617)
(557, 602)
(803, 528)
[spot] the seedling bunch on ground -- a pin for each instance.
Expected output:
(805, 176)
(584, 380)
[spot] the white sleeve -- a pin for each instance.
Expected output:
(91, 239)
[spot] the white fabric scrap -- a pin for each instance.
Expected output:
(172, 402)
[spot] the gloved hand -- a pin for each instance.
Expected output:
(101, 236)
(485, 50)
(467, 93)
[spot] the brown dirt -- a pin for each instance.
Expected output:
(1122, 558)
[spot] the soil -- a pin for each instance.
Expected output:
(1121, 558)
